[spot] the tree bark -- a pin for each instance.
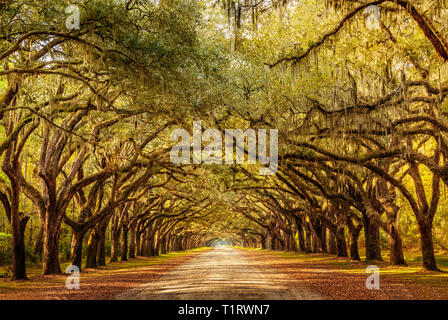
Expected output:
(115, 237)
(18, 224)
(354, 231)
(341, 244)
(114, 246)
(51, 245)
(76, 247)
(307, 237)
(354, 251)
(132, 242)
(427, 246)
(101, 253)
(38, 245)
(268, 241)
(317, 246)
(372, 239)
(138, 243)
(92, 249)
(332, 248)
(124, 246)
(396, 246)
(157, 247)
(300, 235)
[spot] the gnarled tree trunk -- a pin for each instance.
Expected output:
(427, 246)
(76, 247)
(341, 243)
(51, 244)
(372, 239)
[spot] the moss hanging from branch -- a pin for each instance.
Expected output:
(439, 43)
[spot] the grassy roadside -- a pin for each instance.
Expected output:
(50, 283)
(429, 283)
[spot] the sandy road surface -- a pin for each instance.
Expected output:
(223, 273)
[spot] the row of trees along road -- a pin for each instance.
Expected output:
(361, 113)
(86, 116)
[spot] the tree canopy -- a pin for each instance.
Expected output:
(356, 89)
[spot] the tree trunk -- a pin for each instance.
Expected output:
(354, 251)
(163, 245)
(157, 246)
(318, 233)
(169, 243)
(17, 220)
(132, 242)
(300, 235)
(101, 253)
(323, 237)
(396, 246)
(115, 237)
(124, 247)
(332, 248)
(76, 247)
(372, 239)
(308, 237)
(92, 249)
(268, 241)
(147, 247)
(151, 247)
(39, 244)
(341, 244)
(317, 247)
(354, 231)
(263, 241)
(429, 260)
(101, 238)
(51, 245)
(292, 241)
(138, 243)
(18, 225)
(143, 245)
(114, 246)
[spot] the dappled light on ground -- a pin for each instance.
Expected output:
(223, 273)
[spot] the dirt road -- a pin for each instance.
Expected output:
(223, 273)
(230, 274)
